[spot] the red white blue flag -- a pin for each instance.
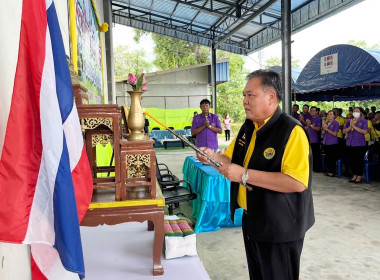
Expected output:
(45, 178)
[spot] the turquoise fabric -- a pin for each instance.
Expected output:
(211, 208)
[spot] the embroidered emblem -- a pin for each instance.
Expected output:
(269, 153)
(242, 140)
(241, 143)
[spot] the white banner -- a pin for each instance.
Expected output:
(329, 64)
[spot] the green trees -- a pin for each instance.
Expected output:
(363, 44)
(130, 62)
(172, 53)
(275, 61)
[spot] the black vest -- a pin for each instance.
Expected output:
(272, 216)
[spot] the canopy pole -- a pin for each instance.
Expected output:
(286, 56)
(213, 79)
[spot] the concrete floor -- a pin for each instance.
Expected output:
(343, 244)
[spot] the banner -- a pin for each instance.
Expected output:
(86, 48)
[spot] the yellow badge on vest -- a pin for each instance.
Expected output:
(269, 153)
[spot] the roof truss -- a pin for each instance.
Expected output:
(241, 26)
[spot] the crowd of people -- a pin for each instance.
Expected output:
(337, 135)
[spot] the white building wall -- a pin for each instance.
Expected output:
(15, 259)
(175, 89)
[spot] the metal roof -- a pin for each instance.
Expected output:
(241, 26)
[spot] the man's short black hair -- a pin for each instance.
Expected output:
(296, 105)
(269, 79)
(205, 101)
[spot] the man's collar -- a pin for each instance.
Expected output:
(277, 112)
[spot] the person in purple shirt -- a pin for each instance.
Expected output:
(356, 129)
(206, 126)
(313, 128)
(305, 115)
(330, 142)
(295, 109)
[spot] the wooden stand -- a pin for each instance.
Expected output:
(138, 169)
(130, 195)
(102, 123)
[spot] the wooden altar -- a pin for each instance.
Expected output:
(130, 194)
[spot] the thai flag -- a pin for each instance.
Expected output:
(45, 178)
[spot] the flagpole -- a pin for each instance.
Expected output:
(184, 139)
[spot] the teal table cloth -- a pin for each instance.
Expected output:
(211, 208)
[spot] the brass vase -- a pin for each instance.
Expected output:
(136, 119)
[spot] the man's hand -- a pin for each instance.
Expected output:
(301, 118)
(232, 172)
(207, 122)
(208, 152)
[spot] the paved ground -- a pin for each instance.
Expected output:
(343, 244)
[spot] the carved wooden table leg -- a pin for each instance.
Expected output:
(158, 243)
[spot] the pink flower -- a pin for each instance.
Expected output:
(132, 79)
(137, 83)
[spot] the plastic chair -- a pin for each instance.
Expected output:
(323, 157)
(370, 159)
(339, 163)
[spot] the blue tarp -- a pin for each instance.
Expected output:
(340, 73)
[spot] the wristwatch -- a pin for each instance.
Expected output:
(244, 178)
(209, 126)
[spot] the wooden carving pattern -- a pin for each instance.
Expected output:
(138, 165)
(91, 123)
(103, 139)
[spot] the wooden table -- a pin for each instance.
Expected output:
(104, 210)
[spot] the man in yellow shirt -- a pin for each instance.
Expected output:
(376, 126)
(376, 133)
(268, 164)
(341, 121)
